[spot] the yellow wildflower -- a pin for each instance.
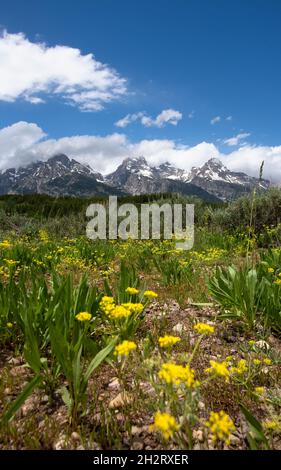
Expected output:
(150, 294)
(221, 426)
(107, 304)
(271, 425)
(106, 300)
(241, 367)
(124, 348)
(5, 244)
(10, 262)
(256, 362)
(133, 308)
(252, 342)
(165, 423)
(83, 316)
(260, 390)
(167, 341)
(175, 374)
(203, 328)
(220, 369)
(43, 235)
(9, 325)
(277, 282)
(131, 290)
(267, 361)
(118, 312)
(270, 270)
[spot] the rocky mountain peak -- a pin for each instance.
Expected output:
(59, 158)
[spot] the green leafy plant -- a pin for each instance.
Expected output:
(255, 435)
(237, 291)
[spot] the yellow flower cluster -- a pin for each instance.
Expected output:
(175, 374)
(165, 423)
(267, 361)
(43, 235)
(203, 328)
(241, 368)
(150, 294)
(119, 311)
(260, 390)
(277, 282)
(219, 369)
(221, 426)
(107, 305)
(5, 244)
(133, 308)
(270, 270)
(124, 348)
(132, 290)
(272, 425)
(209, 255)
(10, 262)
(167, 341)
(83, 316)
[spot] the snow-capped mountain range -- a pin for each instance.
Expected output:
(136, 176)
(60, 175)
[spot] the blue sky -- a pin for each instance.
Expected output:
(203, 59)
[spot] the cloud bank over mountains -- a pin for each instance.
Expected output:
(23, 143)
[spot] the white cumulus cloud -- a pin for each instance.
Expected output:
(215, 120)
(235, 140)
(167, 116)
(34, 71)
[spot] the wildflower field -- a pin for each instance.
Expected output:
(135, 344)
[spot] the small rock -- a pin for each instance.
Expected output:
(15, 361)
(137, 445)
(60, 444)
(135, 430)
(75, 436)
(114, 383)
(18, 371)
(198, 435)
(121, 400)
(139, 430)
(201, 405)
(179, 328)
(263, 345)
(234, 439)
(146, 387)
(45, 399)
